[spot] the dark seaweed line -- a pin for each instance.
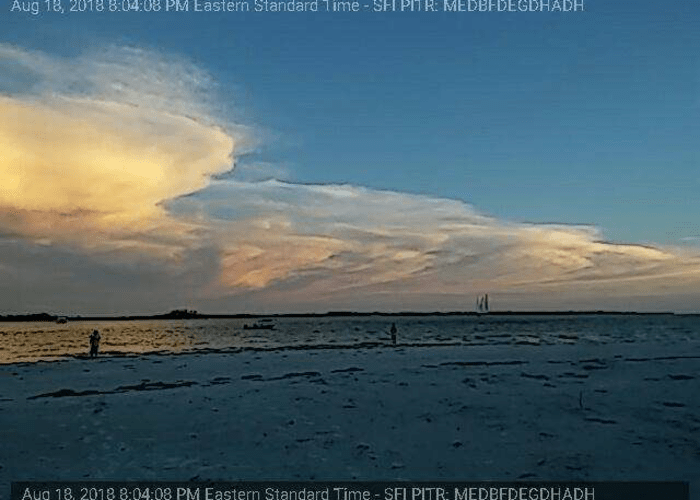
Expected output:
(144, 386)
(152, 386)
(662, 358)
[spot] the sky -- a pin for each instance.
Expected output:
(373, 161)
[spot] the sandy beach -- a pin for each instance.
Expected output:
(606, 412)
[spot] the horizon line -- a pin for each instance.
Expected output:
(189, 314)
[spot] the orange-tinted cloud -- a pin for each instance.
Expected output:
(346, 241)
(83, 169)
(97, 154)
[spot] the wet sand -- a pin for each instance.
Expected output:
(607, 412)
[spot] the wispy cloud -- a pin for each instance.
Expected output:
(333, 239)
(116, 187)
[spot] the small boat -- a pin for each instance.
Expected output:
(258, 326)
(482, 304)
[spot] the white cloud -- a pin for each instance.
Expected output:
(341, 239)
(91, 149)
(117, 162)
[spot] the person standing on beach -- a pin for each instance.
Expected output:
(94, 343)
(393, 333)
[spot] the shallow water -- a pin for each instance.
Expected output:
(29, 342)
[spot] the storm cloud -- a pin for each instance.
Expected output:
(113, 199)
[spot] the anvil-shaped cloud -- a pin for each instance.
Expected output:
(88, 159)
(107, 195)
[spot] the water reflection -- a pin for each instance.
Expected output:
(50, 341)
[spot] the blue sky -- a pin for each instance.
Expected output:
(589, 117)
(580, 118)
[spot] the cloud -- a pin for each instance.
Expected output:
(346, 241)
(117, 189)
(256, 171)
(92, 147)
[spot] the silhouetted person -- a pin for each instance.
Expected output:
(393, 333)
(94, 343)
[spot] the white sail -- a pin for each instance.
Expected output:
(482, 303)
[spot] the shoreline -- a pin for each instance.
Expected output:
(494, 412)
(46, 317)
(379, 345)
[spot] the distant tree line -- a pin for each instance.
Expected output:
(180, 314)
(29, 317)
(192, 314)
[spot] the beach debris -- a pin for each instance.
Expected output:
(600, 420)
(295, 375)
(219, 380)
(469, 382)
(595, 367)
(351, 369)
(64, 393)
(151, 386)
(528, 341)
(673, 404)
(144, 386)
(428, 417)
(483, 363)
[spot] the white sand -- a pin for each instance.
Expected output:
(387, 413)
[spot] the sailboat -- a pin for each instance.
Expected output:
(482, 304)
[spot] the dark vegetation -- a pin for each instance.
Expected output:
(181, 314)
